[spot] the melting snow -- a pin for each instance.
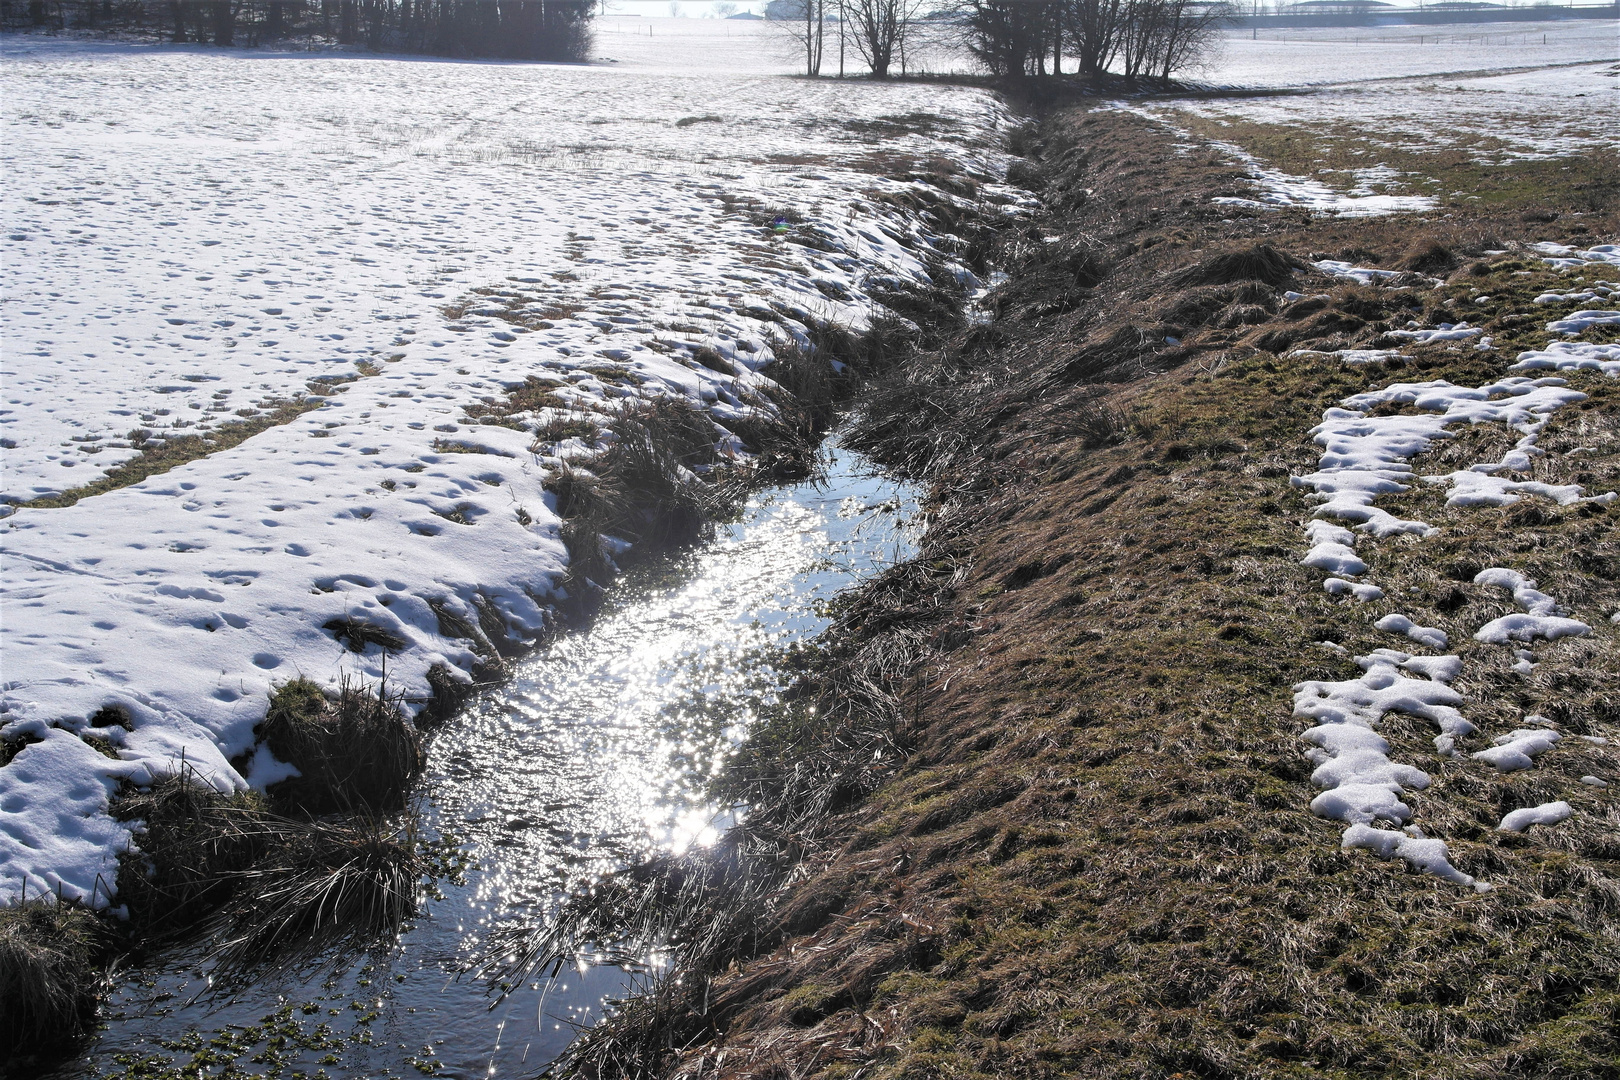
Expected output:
(1568, 258)
(1363, 786)
(1365, 457)
(220, 231)
(1363, 592)
(1444, 332)
(1583, 320)
(1572, 356)
(1361, 275)
(1544, 618)
(1515, 750)
(1545, 814)
(1423, 635)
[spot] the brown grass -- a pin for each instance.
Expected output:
(157, 456)
(48, 973)
(1083, 846)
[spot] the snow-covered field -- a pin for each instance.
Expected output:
(1494, 86)
(190, 234)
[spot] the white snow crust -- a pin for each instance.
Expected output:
(1543, 617)
(1572, 356)
(1424, 635)
(1517, 748)
(1545, 814)
(1362, 785)
(194, 232)
(1579, 321)
(1566, 257)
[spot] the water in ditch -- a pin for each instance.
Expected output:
(594, 752)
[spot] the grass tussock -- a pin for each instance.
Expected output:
(192, 839)
(357, 751)
(49, 976)
(655, 485)
(324, 888)
(268, 890)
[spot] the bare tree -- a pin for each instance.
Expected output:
(1014, 39)
(805, 24)
(1009, 36)
(879, 28)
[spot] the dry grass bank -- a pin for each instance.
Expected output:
(1082, 845)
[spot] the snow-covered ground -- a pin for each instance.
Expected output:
(189, 233)
(1494, 87)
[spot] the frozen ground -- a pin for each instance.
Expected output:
(192, 233)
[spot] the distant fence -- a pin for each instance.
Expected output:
(1426, 16)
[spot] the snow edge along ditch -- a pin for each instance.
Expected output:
(1366, 456)
(185, 629)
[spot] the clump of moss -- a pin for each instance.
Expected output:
(356, 751)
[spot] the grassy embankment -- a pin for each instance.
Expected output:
(1040, 806)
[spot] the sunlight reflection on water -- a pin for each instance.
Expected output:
(594, 752)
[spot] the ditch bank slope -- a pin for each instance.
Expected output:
(1077, 837)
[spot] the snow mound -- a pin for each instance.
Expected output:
(1543, 618)
(1545, 814)
(1572, 356)
(1583, 320)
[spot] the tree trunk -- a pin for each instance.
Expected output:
(275, 21)
(177, 9)
(224, 23)
(348, 23)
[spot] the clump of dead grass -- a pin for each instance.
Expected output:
(1257, 262)
(270, 891)
(49, 978)
(191, 839)
(324, 888)
(356, 751)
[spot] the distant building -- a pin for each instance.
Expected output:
(747, 16)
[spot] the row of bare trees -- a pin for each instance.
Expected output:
(1137, 39)
(876, 29)
(1018, 39)
(513, 29)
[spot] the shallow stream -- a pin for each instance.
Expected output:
(594, 752)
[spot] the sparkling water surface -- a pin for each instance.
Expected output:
(594, 752)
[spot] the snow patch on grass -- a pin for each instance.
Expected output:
(1545, 814)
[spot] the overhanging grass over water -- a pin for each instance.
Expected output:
(597, 751)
